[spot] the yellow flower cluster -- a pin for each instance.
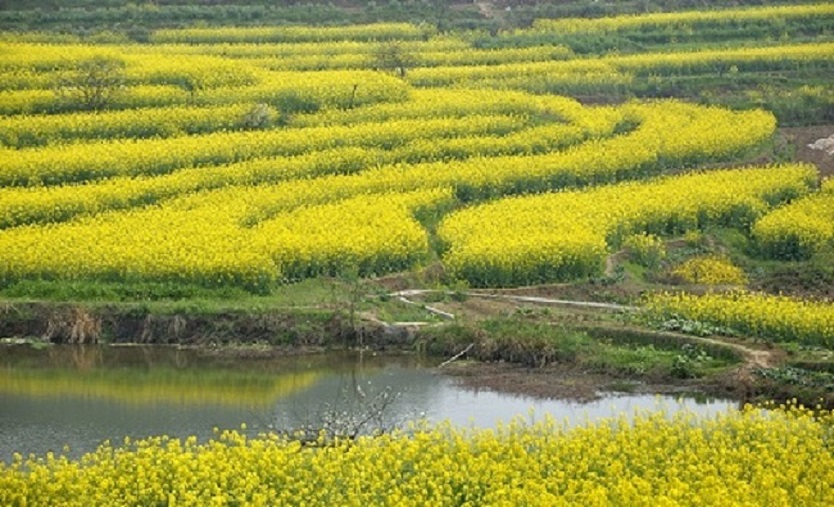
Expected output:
(748, 457)
(800, 229)
(455, 102)
(367, 235)
(786, 56)
(777, 318)
(28, 131)
(710, 270)
(50, 57)
(561, 236)
(36, 101)
(517, 75)
(617, 71)
(418, 58)
(257, 50)
(208, 66)
(207, 236)
(684, 19)
(646, 249)
(668, 134)
(44, 63)
(209, 241)
(193, 72)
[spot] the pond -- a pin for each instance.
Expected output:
(80, 396)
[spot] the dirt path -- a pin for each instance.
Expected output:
(753, 358)
(801, 137)
(612, 260)
(405, 295)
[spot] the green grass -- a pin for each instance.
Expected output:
(536, 343)
(167, 298)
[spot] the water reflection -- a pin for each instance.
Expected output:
(81, 396)
(157, 386)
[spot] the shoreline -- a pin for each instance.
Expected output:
(468, 353)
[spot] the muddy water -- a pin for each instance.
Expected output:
(79, 397)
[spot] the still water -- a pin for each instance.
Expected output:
(80, 396)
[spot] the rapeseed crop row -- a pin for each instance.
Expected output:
(192, 83)
(748, 457)
(771, 317)
(710, 270)
(613, 72)
(53, 165)
(686, 20)
(800, 229)
(210, 242)
(517, 162)
(565, 236)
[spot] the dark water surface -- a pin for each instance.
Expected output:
(81, 396)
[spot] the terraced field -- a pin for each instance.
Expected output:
(260, 156)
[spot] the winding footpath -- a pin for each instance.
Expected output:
(753, 358)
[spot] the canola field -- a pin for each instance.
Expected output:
(260, 156)
(747, 457)
(773, 317)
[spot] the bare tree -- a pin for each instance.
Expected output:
(352, 414)
(92, 85)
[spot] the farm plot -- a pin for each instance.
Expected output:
(255, 156)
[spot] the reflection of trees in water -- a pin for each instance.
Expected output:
(86, 358)
(78, 357)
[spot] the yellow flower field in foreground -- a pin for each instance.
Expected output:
(750, 457)
(710, 270)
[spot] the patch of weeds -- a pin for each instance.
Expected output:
(646, 250)
(458, 291)
(688, 363)
(798, 376)
(694, 327)
(632, 360)
(525, 311)
(436, 297)
(695, 243)
(614, 278)
(31, 342)
(458, 296)
(91, 290)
